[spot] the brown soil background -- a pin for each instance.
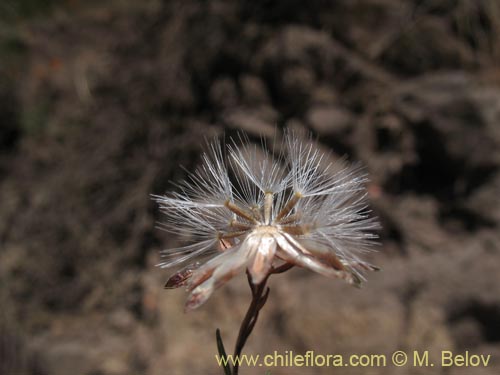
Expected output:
(100, 102)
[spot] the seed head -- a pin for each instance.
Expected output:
(245, 208)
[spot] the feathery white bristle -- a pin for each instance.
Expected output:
(250, 201)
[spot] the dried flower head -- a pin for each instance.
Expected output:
(247, 209)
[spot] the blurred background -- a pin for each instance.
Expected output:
(101, 101)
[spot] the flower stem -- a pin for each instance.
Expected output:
(259, 297)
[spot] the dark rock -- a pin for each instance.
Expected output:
(254, 91)
(223, 93)
(330, 121)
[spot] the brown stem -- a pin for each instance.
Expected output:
(259, 298)
(284, 267)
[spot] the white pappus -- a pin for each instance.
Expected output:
(246, 208)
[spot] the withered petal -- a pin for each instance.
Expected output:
(199, 295)
(263, 259)
(291, 251)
